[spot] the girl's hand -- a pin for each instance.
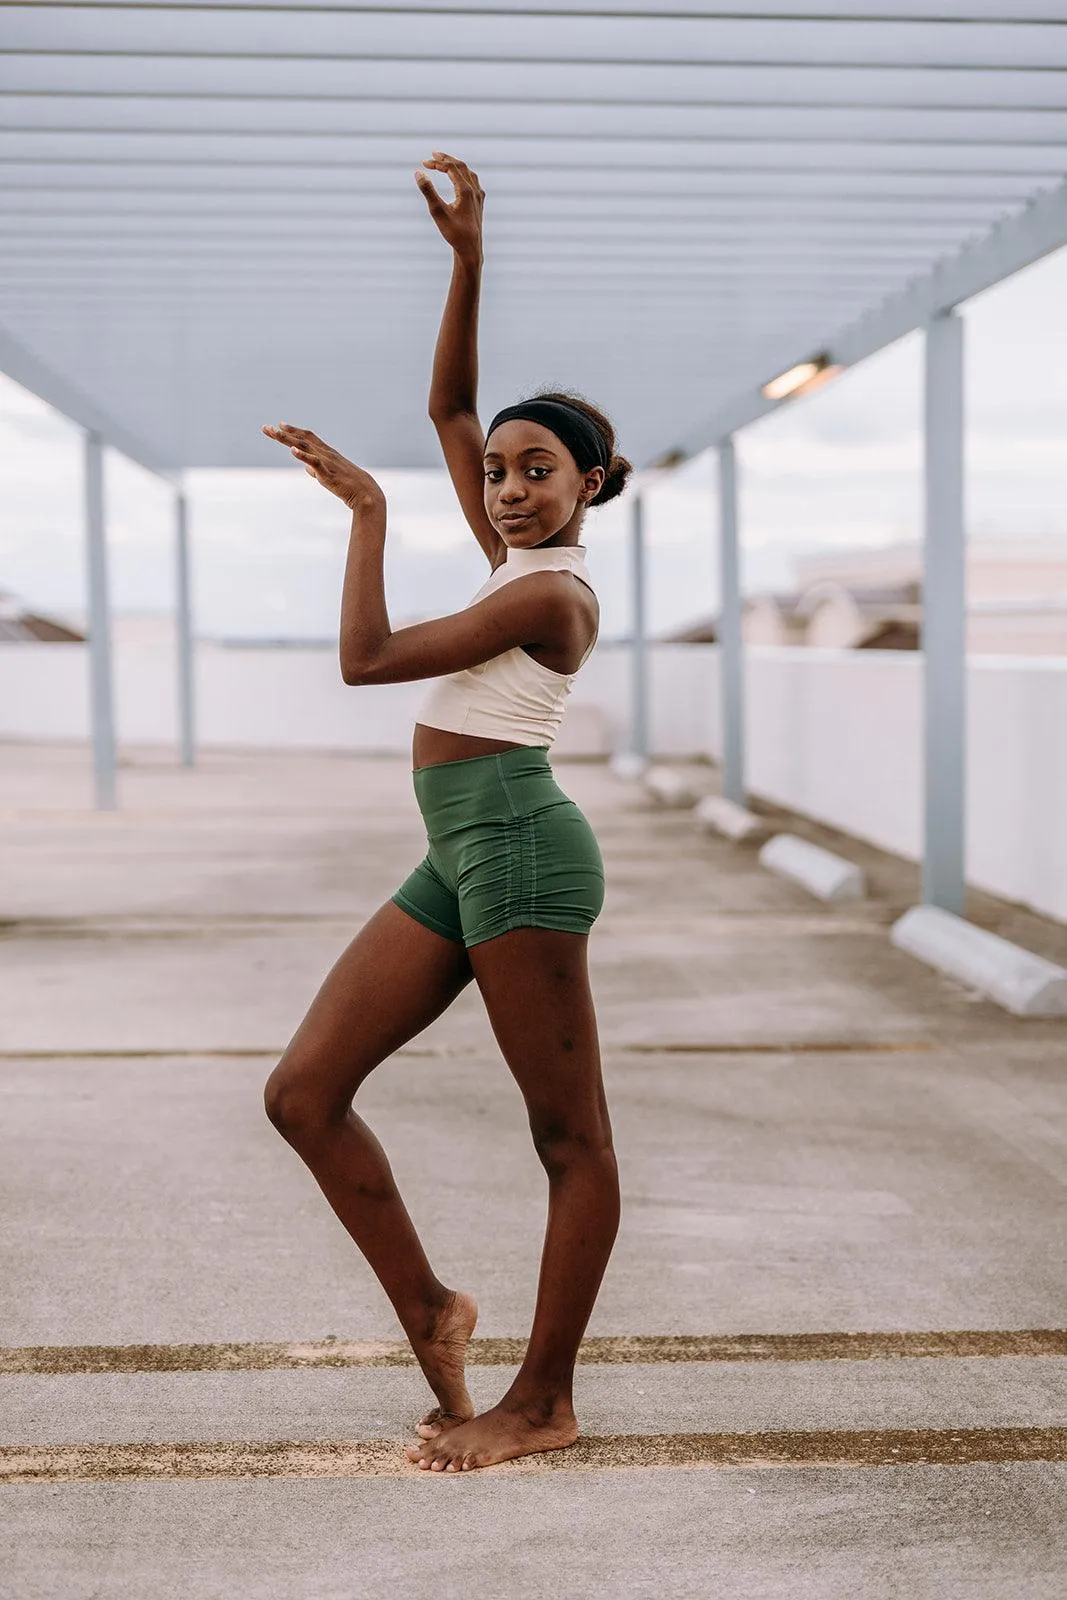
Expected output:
(335, 472)
(461, 222)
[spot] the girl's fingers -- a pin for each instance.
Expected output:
(299, 438)
(285, 433)
(456, 181)
(430, 195)
(457, 170)
(319, 460)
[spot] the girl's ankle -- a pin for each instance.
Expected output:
(542, 1401)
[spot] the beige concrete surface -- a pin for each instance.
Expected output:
(815, 1133)
(642, 1399)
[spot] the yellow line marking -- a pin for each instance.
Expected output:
(284, 1458)
(225, 1053)
(651, 1047)
(656, 1349)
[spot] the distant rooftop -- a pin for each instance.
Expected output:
(871, 599)
(20, 626)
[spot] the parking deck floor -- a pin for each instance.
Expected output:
(830, 1354)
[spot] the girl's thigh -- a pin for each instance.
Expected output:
(393, 980)
(535, 986)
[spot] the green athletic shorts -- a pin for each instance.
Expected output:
(507, 849)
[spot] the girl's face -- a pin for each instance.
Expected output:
(534, 490)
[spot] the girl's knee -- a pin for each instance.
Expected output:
(293, 1106)
(562, 1145)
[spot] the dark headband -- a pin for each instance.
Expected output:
(583, 439)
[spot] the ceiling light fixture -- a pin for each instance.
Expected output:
(802, 378)
(669, 459)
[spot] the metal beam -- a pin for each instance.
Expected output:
(101, 687)
(865, 194)
(615, 13)
(639, 724)
(318, 160)
(1016, 243)
(944, 619)
(67, 307)
(21, 365)
(495, 58)
(81, 227)
(731, 665)
(379, 205)
(717, 102)
(629, 135)
(738, 273)
(184, 628)
(195, 244)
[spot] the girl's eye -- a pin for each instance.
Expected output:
(545, 470)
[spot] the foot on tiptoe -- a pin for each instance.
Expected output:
(498, 1435)
(442, 1356)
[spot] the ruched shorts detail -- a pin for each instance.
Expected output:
(506, 849)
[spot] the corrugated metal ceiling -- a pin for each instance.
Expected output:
(210, 218)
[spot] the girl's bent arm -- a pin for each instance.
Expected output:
(454, 386)
(539, 608)
(364, 616)
(452, 403)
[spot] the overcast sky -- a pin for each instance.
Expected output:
(841, 468)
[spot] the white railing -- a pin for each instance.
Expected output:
(833, 734)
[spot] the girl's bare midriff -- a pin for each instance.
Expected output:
(431, 746)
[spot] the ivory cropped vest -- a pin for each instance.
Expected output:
(512, 696)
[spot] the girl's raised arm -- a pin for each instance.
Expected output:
(454, 386)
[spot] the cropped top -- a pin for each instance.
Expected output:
(512, 696)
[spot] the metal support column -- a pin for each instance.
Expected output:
(639, 632)
(184, 625)
(731, 677)
(944, 618)
(101, 690)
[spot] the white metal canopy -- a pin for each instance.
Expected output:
(211, 222)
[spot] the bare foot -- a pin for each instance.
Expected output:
(497, 1435)
(441, 1356)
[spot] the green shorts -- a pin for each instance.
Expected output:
(507, 849)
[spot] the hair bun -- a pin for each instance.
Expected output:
(618, 473)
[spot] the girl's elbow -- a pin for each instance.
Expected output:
(374, 670)
(354, 673)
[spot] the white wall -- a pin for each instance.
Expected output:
(262, 698)
(837, 735)
(833, 734)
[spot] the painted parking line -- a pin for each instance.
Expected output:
(640, 1047)
(622, 1350)
(286, 1458)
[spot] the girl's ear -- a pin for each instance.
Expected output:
(592, 483)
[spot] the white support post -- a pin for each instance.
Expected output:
(639, 629)
(944, 618)
(731, 678)
(184, 626)
(101, 689)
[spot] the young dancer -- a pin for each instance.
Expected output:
(512, 881)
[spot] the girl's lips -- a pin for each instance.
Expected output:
(513, 518)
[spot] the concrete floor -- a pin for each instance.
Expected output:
(815, 1134)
